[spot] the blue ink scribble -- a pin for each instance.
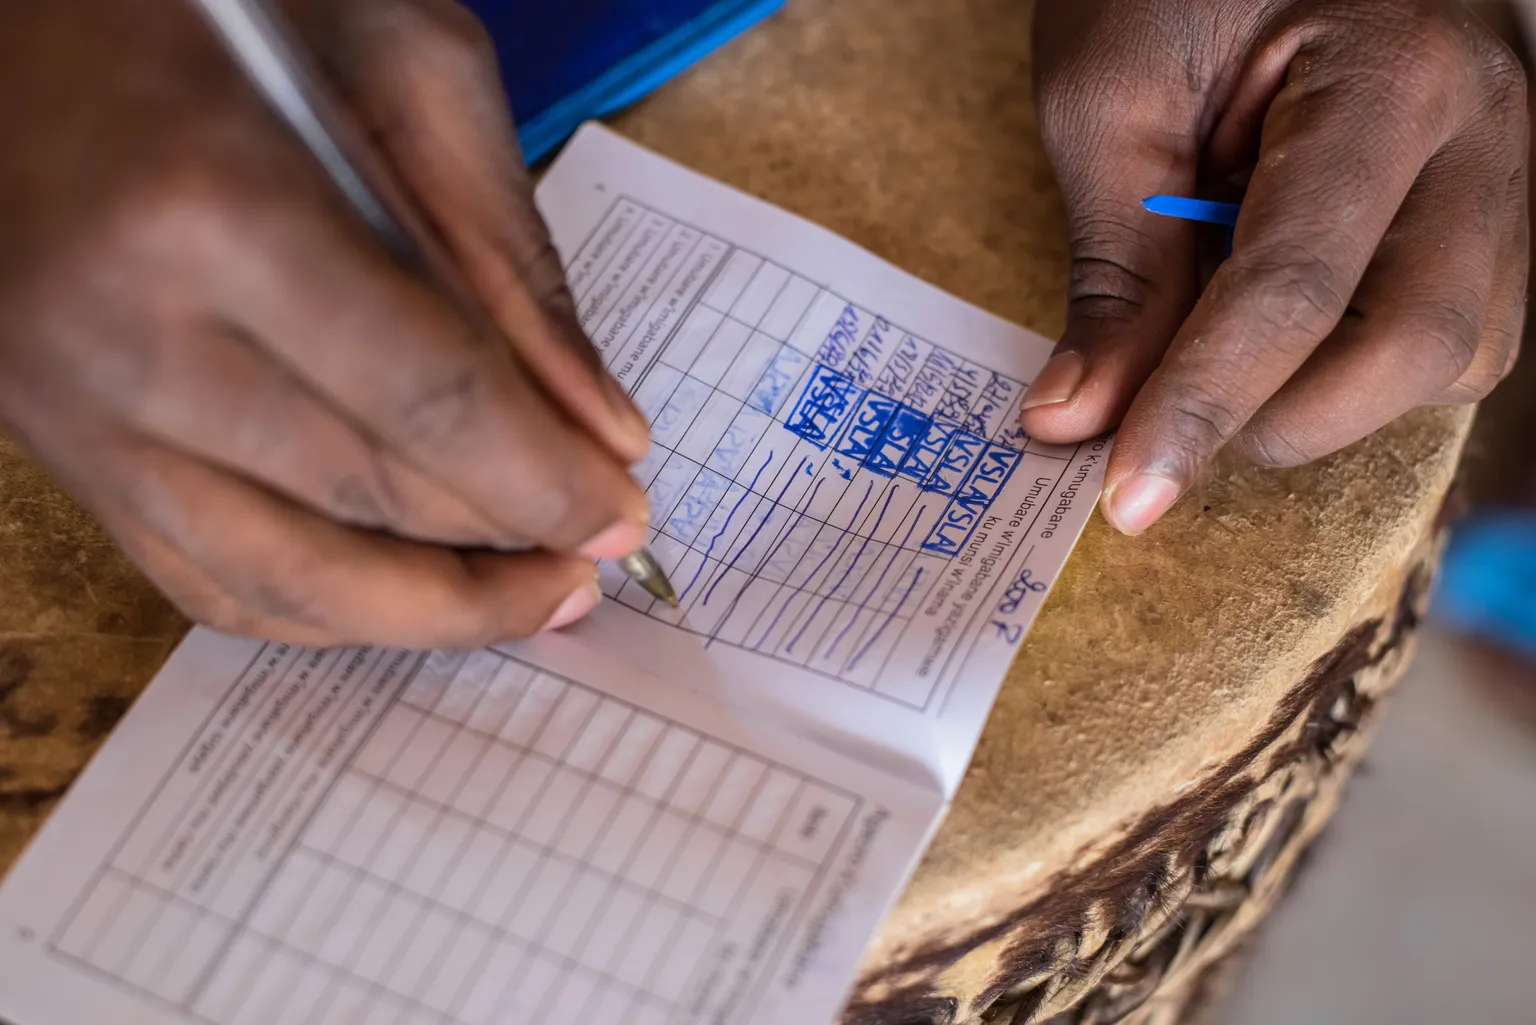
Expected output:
(824, 404)
(725, 569)
(835, 545)
(859, 609)
(841, 339)
(906, 427)
(867, 426)
(847, 572)
(888, 620)
(777, 380)
(724, 527)
(697, 503)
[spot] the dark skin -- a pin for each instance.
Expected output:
(1380, 260)
(296, 440)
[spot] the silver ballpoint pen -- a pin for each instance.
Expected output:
(276, 62)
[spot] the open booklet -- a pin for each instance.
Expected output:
(657, 816)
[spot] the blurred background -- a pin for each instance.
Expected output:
(1418, 905)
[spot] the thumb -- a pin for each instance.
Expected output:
(1113, 141)
(422, 77)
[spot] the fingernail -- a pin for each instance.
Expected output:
(618, 540)
(1057, 381)
(581, 601)
(1134, 506)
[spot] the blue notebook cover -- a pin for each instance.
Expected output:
(568, 61)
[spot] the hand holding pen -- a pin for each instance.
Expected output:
(295, 433)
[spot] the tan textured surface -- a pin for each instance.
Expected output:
(1156, 660)
(906, 126)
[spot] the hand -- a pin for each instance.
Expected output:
(290, 435)
(1379, 261)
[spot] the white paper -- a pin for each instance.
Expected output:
(656, 817)
(843, 497)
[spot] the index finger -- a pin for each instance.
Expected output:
(425, 79)
(1341, 149)
(395, 358)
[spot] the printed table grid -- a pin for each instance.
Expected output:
(506, 845)
(804, 548)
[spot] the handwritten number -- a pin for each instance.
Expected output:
(1025, 585)
(1010, 632)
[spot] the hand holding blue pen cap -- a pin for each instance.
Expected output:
(1378, 262)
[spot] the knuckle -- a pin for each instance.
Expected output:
(551, 510)
(1420, 59)
(1288, 288)
(463, 620)
(1501, 72)
(1505, 76)
(1443, 43)
(439, 408)
(455, 32)
(1272, 446)
(214, 610)
(1198, 424)
(1482, 378)
(1437, 55)
(1443, 338)
(1110, 277)
(160, 211)
(1480, 383)
(283, 598)
(362, 499)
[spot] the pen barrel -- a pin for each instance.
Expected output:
(270, 52)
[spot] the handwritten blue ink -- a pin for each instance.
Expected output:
(956, 465)
(867, 426)
(888, 620)
(897, 374)
(679, 412)
(777, 380)
(1022, 588)
(824, 404)
(835, 545)
(736, 444)
(782, 539)
(697, 503)
(725, 569)
(859, 609)
(756, 574)
(889, 454)
(925, 455)
(988, 477)
(725, 526)
(956, 403)
(995, 397)
(932, 379)
(861, 366)
(847, 572)
(841, 339)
